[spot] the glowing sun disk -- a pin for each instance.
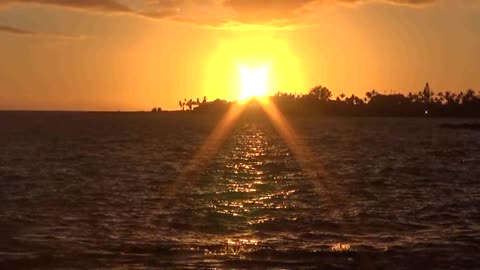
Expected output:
(253, 82)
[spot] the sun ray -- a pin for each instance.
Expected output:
(307, 160)
(313, 168)
(309, 164)
(208, 150)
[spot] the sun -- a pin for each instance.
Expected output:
(254, 82)
(252, 66)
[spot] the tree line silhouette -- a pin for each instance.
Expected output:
(191, 104)
(422, 103)
(319, 101)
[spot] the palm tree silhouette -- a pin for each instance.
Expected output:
(469, 96)
(321, 93)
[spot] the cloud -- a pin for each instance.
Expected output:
(154, 9)
(267, 9)
(284, 9)
(411, 2)
(212, 13)
(22, 32)
(284, 13)
(102, 5)
(14, 30)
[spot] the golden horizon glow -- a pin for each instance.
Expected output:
(254, 82)
(231, 71)
(134, 63)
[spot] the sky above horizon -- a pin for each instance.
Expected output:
(137, 54)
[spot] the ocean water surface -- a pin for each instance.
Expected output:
(109, 191)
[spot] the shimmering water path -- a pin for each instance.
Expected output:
(90, 193)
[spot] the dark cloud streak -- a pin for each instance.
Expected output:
(268, 12)
(22, 32)
(14, 30)
(286, 11)
(102, 5)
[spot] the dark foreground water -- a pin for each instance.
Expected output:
(91, 190)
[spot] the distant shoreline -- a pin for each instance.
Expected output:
(220, 113)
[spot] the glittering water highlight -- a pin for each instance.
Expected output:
(91, 191)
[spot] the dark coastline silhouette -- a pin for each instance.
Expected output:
(319, 101)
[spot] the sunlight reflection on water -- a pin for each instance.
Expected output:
(101, 202)
(340, 247)
(250, 191)
(235, 247)
(246, 187)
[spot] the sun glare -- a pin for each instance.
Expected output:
(252, 67)
(254, 83)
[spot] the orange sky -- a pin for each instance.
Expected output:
(136, 54)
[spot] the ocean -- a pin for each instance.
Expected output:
(113, 191)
